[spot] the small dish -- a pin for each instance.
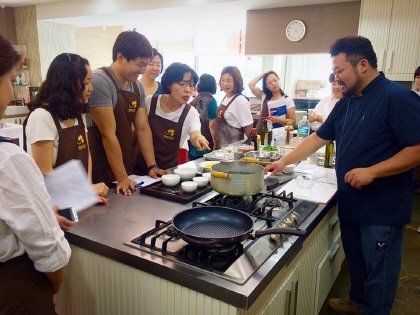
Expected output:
(189, 186)
(170, 179)
(201, 181)
(289, 168)
(208, 175)
(185, 173)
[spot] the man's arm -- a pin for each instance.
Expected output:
(105, 121)
(308, 146)
(406, 159)
(145, 140)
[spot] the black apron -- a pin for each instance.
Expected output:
(225, 133)
(166, 137)
(124, 112)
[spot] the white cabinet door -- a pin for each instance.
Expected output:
(284, 301)
(374, 24)
(404, 40)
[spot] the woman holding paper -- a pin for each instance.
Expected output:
(55, 130)
(33, 249)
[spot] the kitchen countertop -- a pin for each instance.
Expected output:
(104, 229)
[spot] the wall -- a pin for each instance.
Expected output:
(265, 29)
(99, 54)
(7, 24)
(54, 39)
(27, 34)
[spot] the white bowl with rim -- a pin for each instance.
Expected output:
(170, 179)
(186, 173)
(208, 175)
(201, 181)
(189, 186)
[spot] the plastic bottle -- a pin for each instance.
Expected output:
(303, 127)
(329, 152)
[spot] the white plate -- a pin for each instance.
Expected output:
(207, 165)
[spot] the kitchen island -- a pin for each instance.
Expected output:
(105, 276)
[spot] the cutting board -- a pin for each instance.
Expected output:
(319, 192)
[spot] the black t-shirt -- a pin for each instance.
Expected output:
(369, 129)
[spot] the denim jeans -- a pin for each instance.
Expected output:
(373, 253)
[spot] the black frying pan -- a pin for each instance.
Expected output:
(220, 226)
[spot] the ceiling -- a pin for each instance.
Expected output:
(22, 3)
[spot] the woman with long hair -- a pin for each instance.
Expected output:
(276, 105)
(234, 118)
(33, 250)
(55, 130)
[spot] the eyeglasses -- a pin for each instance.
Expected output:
(184, 84)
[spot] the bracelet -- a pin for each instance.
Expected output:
(152, 167)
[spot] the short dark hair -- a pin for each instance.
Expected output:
(62, 91)
(331, 78)
(156, 53)
(175, 73)
(131, 45)
(207, 83)
(9, 57)
(355, 48)
(266, 90)
(417, 72)
(238, 82)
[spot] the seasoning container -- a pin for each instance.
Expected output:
(289, 133)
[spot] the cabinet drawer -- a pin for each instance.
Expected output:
(327, 271)
(333, 226)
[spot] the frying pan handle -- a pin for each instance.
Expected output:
(288, 231)
(222, 175)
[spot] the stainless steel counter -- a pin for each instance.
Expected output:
(104, 229)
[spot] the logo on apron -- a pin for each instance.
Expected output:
(169, 134)
(81, 145)
(219, 114)
(132, 107)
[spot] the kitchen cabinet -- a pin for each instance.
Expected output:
(393, 27)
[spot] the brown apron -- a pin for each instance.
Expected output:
(71, 142)
(166, 137)
(225, 133)
(23, 289)
(124, 112)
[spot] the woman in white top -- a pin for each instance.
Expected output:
(33, 250)
(326, 104)
(171, 119)
(153, 70)
(233, 118)
(276, 106)
(55, 130)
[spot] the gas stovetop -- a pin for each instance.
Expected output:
(236, 263)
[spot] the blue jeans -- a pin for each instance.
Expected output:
(373, 254)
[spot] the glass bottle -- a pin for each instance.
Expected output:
(329, 152)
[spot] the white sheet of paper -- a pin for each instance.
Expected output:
(146, 179)
(68, 186)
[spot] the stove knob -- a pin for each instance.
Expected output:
(275, 237)
(294, 215)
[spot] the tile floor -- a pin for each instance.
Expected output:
(407, 301)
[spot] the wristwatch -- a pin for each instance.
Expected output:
(152, 167)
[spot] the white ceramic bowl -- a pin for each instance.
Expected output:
(170, 179)
(289, 168)
(207, 175)
(186, 173)
(201, 181)
(189, 186)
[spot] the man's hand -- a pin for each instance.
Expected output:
(359, 177)
(64, 223)
(126, 186)
(101, 189)
(275, 167)
(154, 172)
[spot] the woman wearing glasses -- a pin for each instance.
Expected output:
(171, 119)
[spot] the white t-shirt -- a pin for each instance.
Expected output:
(27, 221)
(41, 127)
(323, 108)
(191, 123)
(238, 114)
(279, 107)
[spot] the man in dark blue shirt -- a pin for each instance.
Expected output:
(376, 129)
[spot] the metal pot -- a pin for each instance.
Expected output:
(237, 178)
